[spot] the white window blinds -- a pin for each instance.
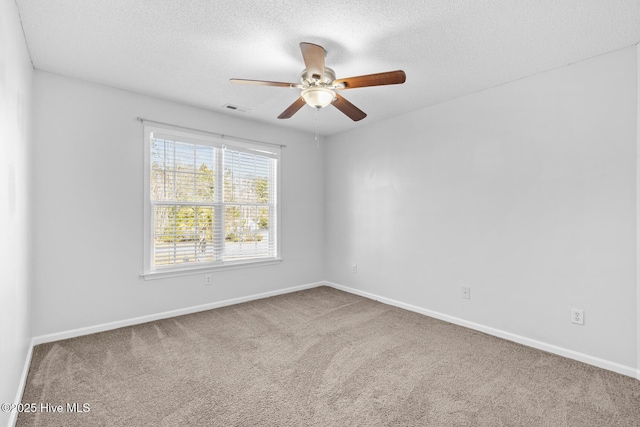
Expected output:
(209, 203)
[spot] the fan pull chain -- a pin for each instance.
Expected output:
(317, 128)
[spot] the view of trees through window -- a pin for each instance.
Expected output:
(209, 203)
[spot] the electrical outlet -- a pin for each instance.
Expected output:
(577, 316)
(354, 269)
(208, 279)
(466, 292)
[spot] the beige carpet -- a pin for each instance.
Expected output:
(319, 357)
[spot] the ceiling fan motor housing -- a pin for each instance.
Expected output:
(315, 80)
(317, 92)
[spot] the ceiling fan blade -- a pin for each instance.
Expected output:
(379, 79)
(353, 112)
(313, 56)
(261, 83)
(293, 108)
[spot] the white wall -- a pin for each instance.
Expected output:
(15, 209)
(525, 192)
(638, 211)
(88, 160)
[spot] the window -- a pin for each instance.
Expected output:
(209, 202)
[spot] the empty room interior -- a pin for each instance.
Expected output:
(319, 214)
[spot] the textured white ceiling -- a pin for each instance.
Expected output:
(187, 51)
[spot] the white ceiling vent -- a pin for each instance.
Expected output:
(236, 108)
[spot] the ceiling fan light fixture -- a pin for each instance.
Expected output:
(318, 97)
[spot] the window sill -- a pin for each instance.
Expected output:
(162, 274)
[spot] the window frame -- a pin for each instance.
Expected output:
(201, 138)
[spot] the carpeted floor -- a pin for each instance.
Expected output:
(319, 357)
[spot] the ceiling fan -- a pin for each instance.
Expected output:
(319, 86)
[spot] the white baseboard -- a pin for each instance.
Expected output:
(13, 416)
(550, 348)
(57, 336)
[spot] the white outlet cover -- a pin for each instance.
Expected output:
(577, 316)
(466, 292)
